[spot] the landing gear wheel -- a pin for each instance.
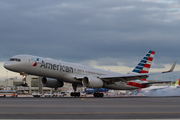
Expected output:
(75, 94)
(98, 95)
(101, 95)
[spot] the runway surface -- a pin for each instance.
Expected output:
(90, 108)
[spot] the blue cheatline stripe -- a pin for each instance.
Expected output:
(141, 64)
(138, 67)
(146, 58)
(138, 71)
(150, 51)
(148, 55)
(143, 61)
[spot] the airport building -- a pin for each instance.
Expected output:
(33, 85)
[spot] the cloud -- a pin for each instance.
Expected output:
(111, 33)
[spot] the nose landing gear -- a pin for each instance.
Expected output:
(24, 79)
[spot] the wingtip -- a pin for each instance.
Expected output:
(172, 68)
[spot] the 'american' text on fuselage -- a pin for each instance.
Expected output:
(58, 67)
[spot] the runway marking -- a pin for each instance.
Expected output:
(104, 101)
(91, 113)
(114, 104)
(83, 98)
(86, 99)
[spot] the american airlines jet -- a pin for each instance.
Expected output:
(55, 73)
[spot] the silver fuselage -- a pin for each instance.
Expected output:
(60, 70)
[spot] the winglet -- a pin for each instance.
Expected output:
(172, 68)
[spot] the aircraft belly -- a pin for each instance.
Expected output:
(62, 76)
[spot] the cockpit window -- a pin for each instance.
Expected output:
(15, 59)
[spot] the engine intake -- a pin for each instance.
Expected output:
(92, 82)
(52, 83)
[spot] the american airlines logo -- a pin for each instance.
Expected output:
(36, 62)
(57, 67)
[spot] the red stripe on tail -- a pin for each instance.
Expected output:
(153, 52)
(143, 71)
(150, 59)
(147, 65)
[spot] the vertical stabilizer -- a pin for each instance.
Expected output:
(145, 63)
(177, 83)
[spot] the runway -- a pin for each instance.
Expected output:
(90, 108)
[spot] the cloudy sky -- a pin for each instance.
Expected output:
(108, 34)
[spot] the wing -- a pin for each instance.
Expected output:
(128, 77)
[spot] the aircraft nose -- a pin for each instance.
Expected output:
(8, 65)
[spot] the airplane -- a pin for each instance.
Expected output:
(160, 90)
(155, 88)
(54, 73)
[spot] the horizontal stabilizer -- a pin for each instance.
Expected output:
(155, 82)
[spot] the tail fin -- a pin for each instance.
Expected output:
(177, 83)
(145, 64)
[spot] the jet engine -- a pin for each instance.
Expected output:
(53, 83)
(92, 82)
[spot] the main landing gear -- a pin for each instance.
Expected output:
(98, 94)
(75, 94)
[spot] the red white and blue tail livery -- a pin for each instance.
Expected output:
(145, 64)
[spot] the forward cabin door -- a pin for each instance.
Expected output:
(30, 61)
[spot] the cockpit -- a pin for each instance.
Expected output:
(15, 59)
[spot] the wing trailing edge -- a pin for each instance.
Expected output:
(128, 77)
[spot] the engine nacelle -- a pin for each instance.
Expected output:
(53, 83)
(92, 82)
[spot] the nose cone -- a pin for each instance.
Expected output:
(8, 65)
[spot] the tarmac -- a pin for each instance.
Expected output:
(90, 108)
